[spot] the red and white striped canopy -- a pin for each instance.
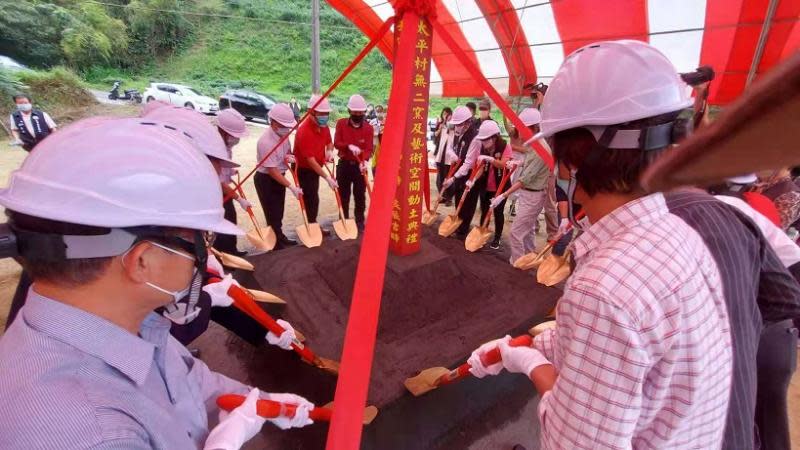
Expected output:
(521, 41)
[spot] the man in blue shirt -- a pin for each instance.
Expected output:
(109, 218)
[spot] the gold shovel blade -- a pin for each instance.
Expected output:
(425, 381)
(449, 225)
(428, 217)
(310, 235)
(532, 260)
(346, 229)
(370, 412)
(554, 270)
(233, 262)
(263, 239)
(477, 238)
(266, 297)
(539, 329)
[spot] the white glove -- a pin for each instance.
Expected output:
(448, 182)
(219, 291)
(450, 157)
(296, 191)
(520, 359)
(563, 226)
(470, 183)
(300, 418)
(290, 159)
(511, 164)
(16, 143)
(476, 366)
(237, 427)
(213, 264)
(329, 155)
(497, 200)
(364, 166)
(354, 149)
(244, 203)
(485, 158)
(286, 338)
(332, 183)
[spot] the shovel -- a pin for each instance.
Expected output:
(266, 297)
(261, 238)
(451, 223)
(233, 262)
(345, 228)
(430, 379)
(247, 305)
(428, 217)
(532, 260)
(271, 409)
(542, 327)
(309, 234)
(481, 234)
(555, 269)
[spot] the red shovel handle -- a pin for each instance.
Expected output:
(335, 191)
(271, 409)
(488, 358)
(244, 302)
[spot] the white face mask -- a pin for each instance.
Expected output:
(25, 107)
(283, 131)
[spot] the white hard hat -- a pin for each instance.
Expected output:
(232, 122)
(119, 173)
(204, 135)
(610, 83)
(530, 117)
(748, 178)
(460, 115)
(323, 107)
(488, 129)
(282, 113)
(357, 103)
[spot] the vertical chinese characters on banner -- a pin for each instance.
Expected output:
(407, 207)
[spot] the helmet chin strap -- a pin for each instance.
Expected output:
(571, 213)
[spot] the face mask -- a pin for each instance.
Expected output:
(283, 131)
(450, 126)
(461, 129)
(322, 120)
(568, 186)
(357, 119)
(484, 114)
(25, 107)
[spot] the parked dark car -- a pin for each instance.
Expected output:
(251, 105)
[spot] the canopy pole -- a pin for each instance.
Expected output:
(762, 41)
(315, 71)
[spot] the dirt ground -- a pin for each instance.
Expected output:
(245, 153)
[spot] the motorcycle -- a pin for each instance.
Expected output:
(129, 94)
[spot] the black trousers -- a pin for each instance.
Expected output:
(470, 203)
(776, 361)
(499, 213)
(350, 179)
(309, 183)
(272, 196)
(441, 175)
(227, 242)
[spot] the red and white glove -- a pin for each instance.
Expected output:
(512, 164)
(296, 191)
(470, 183)
(300, 418)
(485, 159)
(286, 338)
(355, 150)
(364, 166)
(448, 182)
(244, 204)
(332, 183)
(236, 427)
(219, 291)
(290, 159)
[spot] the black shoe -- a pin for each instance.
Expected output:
(518, 447)
(448, 202)
(285, 241)
(495, 245)
(459, 236)
(360, 227)
(325, 233)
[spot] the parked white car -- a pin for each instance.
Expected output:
(180, 95)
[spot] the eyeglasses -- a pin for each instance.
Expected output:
(172, 250)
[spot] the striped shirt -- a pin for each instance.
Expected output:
(642, 344)
(71, 380)
(757, 287)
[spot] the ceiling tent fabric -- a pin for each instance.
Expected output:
(515, 42)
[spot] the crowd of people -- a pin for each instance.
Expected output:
(675, 329)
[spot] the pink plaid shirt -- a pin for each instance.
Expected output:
(642, 345)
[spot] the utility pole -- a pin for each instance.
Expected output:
(315, 83)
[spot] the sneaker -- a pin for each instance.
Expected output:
(495, 245)
(325, 233)
(286, 241)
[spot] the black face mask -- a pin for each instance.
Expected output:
(357, 119)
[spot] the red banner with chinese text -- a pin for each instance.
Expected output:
(406, 231)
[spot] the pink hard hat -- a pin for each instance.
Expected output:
(488, 129)
(357, 103)
(196, 125)
(232, 122)
(151, 106)
(119, 173)
(282, 113)
(530, 116)
(460, 115)
(323, 107)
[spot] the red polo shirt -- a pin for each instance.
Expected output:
(347, 135)
(310, 142)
